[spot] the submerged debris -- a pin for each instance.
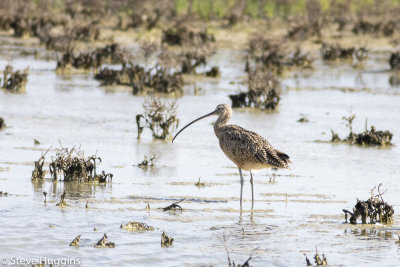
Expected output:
(14, 80)
(70, 32)
(137, 227)
(166, 241)
(192, 59)
(2, 124)
(274, 55)
(174, 206)
(232, 263)
(103, 177)
(301, 31)
(158, 79)
(104, 243)
(160, 118)
(317, 259)
(38, 173)
(213, 72)
(3, 194)
(62, 202)
(92, 59)
(182, 35)
(335, 52)
(148, 162)
(373, 137)
(368, 137)
(394, 79)
(375, 208)
(75, 242)
(200, 184)
(394, 61)
(303, 119)
(245, 264)
(45, 196)
(263, 92)
(371, 25)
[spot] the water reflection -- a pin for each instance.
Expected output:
(73, 189)
(394, 79)
(371, 232)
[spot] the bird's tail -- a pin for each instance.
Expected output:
(284, 157)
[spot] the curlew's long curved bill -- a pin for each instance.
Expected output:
(202, 117)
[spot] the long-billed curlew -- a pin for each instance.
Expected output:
(248, 150)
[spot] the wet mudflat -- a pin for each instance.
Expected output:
(295, 211)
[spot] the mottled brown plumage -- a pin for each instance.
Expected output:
(248, 150)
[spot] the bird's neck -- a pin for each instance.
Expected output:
(220, 124)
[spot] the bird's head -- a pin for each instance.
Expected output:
(222, 109)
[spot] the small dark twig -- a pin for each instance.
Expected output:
(174, 206)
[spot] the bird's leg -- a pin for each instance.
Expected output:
(241, 188)
(252, 191)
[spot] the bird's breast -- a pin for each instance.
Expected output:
(243, 158)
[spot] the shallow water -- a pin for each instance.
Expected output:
(295, 212)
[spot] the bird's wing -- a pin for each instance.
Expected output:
(243, 145)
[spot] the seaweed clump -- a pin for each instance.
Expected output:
(14, 81)
(104, 243)
(74, 166)
(190, 60)
(263, 92)
(394, 61)
(368, 25)
(335, 52)
(38, 173)
(368, 137)
(93, 59)
(137, 227)
(183, 35)
(160, 118)
(199, 183)
(62, 202)
(166, 241)
(2, 124)
(213, 72)
(273, 55)
(75, 242)
(317, 259)
(157, 78)
(375, 208)
(303, 120)
(148, 162)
